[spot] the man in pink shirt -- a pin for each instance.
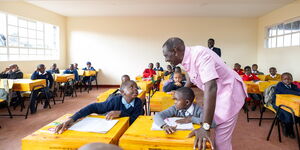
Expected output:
(224, 91)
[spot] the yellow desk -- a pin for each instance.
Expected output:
(145, 85)
(27, 76)
(139, 78)
(292, 101)
(27, 84)
(103, 96)
(44, 139)
(261, 77)
(258, 87)
(63, 77)
(140, 136)
(86, 73)
(161, 101)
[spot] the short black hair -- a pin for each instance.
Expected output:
(186, 93)
(40, 66)
(272, 68)
(247, 67)
(126, 84)
(173, 43)
(211, 39)
(287, 74)
(255, 65)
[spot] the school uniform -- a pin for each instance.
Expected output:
(250, 77)
(12, 75)
(239, 71)
(54, 71)
(115, 103)
(256, 72)
(171, 86)
(148, 73)
(68, 71)
(158, 69)
(276, 77)
(90, 78)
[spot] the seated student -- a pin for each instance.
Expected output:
(286, 87)
(158, 67)
(76, 66)
(248, 76)
(125, 105)
(149, 72)
(177, 69)
(237, 68)
(125, 78)
(255, 71)
(175, 84)
(169, 70)
(89, 78)
(40, 73)
(54, 69)
(72, 70)
(273, 76)
(184, 107)
(12, 72)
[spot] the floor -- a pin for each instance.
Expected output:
(247, 135)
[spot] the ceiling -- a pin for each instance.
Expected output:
(209, 8)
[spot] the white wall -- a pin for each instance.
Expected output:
(125, 45)
(285, 59)
(40, 14)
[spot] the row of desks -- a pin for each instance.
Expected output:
(138, 136)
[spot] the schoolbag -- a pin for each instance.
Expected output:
(268, 94)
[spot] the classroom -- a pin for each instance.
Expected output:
(149, 74)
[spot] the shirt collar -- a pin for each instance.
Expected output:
(186, 59)
(189, 111)
(273, 76)
(127, 105)
(42, 73)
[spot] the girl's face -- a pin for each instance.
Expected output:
(287, 79)
(247, 71)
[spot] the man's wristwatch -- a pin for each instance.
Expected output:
(205, 126)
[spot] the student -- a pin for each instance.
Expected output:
(149, 72)
(125, 105)
(273, 76)
(158, 67)
(175, 84)
(12, 72)
(41, 73)
(177, 69)
(248, 76)
(169, 70)
(76, 66)
(72, 70)
(237, 68)
(255, 71)
(286, 87)
(125, 78)
(54, 69)
(89, 78)
(184, 107)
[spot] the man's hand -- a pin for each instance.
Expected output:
(112, 115)
(169, 129)
(202, 136)
(184, 120)
(64, 126)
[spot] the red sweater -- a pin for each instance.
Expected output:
(148, 73)
(250, 77)
(240, 71)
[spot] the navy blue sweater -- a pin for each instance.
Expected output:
(114, 103)
(282, 89)
(171, 86)
(47, 76)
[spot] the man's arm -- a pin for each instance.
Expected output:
(210, 95)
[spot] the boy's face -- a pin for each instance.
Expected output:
(71, 67)
(237, 67)
(76, 65)
(42, 69)
(287, 79)
(180, 103)
(273, 72)
(88, 65)
(150, 66)
(157, 65)
(254, 68)
(125, 78)
(247, 71)
(169, 68)
(177, 77)
(130, 91)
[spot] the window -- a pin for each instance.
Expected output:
(26, 39)
(283, 35)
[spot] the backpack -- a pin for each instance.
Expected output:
(268, 94)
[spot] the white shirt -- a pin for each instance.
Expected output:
(189, 111)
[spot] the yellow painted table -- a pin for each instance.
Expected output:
(161, 101)
(27, 76)
(145, 85)
(87, 73)
(45, 139)
(63, 77)
(103, 96)
(139, 78)
(292, 101)
(140, 136)
(258, 87)
(261, 77)
(27, 84)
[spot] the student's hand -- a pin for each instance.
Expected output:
(184, 120)
(169, 129)
(112, 115)
(64, 126)
(178, 84)
(172, 92)
(202, 136)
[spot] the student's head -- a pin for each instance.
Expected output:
(184, 98)
(125, 78)
(99, 146)
(71, 67)
(254, 67)
(88, 64)
(273, 71)
(211, 43)
(129, 90)
(237, 66)
(75, 65)
(247, 70)
(177, 77)
(169, 68)
(150, 65)
(157, 65)
(287, 78)
(54, 66)
(173, 50)
(41, 68)
(177, 69)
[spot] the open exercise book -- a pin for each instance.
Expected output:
(171, 122)
(91, 124)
